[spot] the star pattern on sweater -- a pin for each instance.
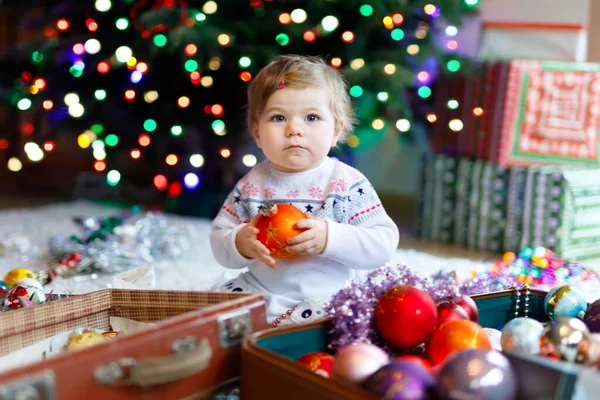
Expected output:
(309, 208)
(361, 191)
(237, 199)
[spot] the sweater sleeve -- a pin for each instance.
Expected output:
(364, 236)
(232, 217)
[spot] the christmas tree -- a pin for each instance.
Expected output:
(154, 91)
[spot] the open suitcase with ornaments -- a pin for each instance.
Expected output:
(270, 369)
(188, 345)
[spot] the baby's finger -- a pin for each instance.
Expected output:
(260, 248)
(270, 261)
(302, 237)
(299, 248)
(305, 224)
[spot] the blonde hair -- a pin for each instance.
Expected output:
(301, 72)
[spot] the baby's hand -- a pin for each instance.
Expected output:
(250, 247)
(312, 241)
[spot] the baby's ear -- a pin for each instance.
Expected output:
(254, 129)
(339, 128)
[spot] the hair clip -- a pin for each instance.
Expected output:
(282, 84)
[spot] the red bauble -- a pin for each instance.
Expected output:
(406, 316)
(450, 312)
(470, 307)
(318, 362)
(413, 359)
(13, 296)
(454, 336)
(276, 225)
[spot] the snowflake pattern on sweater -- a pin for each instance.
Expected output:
(335, 191)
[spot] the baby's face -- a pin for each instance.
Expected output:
(297, 129)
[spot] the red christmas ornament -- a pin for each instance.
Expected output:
(470, 307)
(276, 225)
(454, 336)
(13, 296)
(318, 362)
(166, 7)
(450, 312)
(420, 361)
(406, 316)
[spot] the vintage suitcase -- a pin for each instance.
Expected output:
(269, 369)
(191, 349)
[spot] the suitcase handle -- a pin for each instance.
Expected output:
(189, 358)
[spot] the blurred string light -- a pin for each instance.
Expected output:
(196, 160)
(403, 125)
(249, 160)
(453, 65)
(103, 5)
(455, 125)
(160, 182)
(210, 7)
(451, 30)
(14, 164)
(33, 151)
(298, 16)
(122, 23)
(366, 10)
(191, 180)
(123, 53)
(471, 3)
(330, 23)
(113, 177)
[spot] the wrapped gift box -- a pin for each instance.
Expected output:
(551, 114)
(269, 367)
(438, 195)
(490, 207)
(191, 345)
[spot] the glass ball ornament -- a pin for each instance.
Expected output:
(565, 301)
(356, 362)
(566, 339)
(276, 224)
(318, 362)
(495, 337)
(522, 335)
(400, 380)
(456, 336)
(477, 374)
(406, 316)
(592, 317)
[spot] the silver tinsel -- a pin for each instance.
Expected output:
(116, 244)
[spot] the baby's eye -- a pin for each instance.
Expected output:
(312, 118)
(278, 118)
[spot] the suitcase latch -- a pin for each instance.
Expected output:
(34, 387)
(234, 327)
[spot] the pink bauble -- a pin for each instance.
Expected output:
(356, 362)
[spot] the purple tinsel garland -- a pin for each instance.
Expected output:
(352, 309)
